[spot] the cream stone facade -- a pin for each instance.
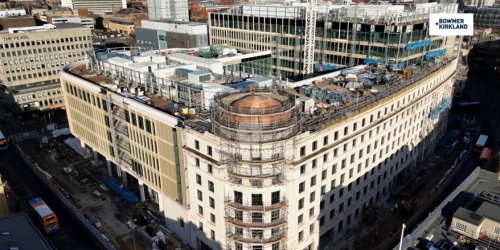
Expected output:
(257, 180)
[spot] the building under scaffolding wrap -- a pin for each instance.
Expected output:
(382, 31)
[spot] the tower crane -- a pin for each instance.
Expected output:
(325, 37)
(354, 41)
(309, 37)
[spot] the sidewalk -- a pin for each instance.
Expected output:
(397, 218)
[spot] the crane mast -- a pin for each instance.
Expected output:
(310, 34)
(354, 35)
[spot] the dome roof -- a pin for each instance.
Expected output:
(256, 102)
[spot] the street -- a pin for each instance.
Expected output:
(25, 186)
(479, 89)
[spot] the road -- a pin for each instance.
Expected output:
(479, 89)
(26, 185)
(14, 125)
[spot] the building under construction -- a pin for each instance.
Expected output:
(235, 161)
(313, 38)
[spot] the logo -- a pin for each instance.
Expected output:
(451, 24)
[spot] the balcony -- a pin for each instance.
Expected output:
(252, 173)
(276, 223)
(263, 207)
(262, 240)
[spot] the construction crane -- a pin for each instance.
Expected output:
(309, 37)
(354, 41)
(325, 37)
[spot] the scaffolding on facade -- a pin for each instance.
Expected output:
(254, 127)
(256, 222)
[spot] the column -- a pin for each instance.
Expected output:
(84, 149)
(96, 158)
(110, 169)
(141, 190)
(124, 177)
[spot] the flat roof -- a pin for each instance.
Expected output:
(23, 233)
(458, 204)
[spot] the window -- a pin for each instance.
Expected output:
(302, 187)
(334, 169)
(313, 180)
(212, 234)
(333, 184)
(148, 126)
(312, 196)
(351, 171)
(200, 195)
(303, 169)
(461, 227)
(198, 179)
(200, 226)
(311, 228)
(332, 213)
(301, 203)
(315, 145)
(311, 212)
(210, 168)
(209, 150)
(325, 140)
(302, 150)
(212, 202)
(211, 186)
(134, 121)
(323, 174)
(200, 210)
(322, 220)
(301, 218)
(197, 162)
(196, 144)
(314, 163)
(212, 218)
(301, 236)
(323, 189)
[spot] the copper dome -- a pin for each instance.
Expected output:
(256, 102)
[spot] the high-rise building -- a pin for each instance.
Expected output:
(394, 34)
(31, 59)
(169, 9)
(238, 163)
(95, 6)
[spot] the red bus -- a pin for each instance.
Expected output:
(466, 107)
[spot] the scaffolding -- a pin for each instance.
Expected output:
(256, 222)
(255, 127)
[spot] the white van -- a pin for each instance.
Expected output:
(481, 142)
